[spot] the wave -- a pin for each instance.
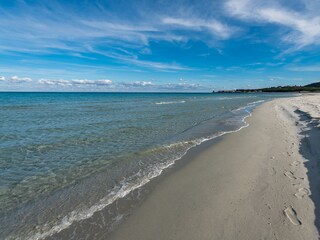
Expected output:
(252, 104)
(130, 184)
(173, 102)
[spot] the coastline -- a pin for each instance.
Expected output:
(253, 184)
(102, 222)
(78, 210)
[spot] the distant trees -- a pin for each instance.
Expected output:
(314, 87)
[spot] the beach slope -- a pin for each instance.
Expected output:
(258, 183)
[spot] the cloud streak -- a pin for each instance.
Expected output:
(304, 27)
(310, 68)
(213, 26)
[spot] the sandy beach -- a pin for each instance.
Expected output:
(259, 183)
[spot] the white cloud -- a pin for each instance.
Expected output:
(137, 84)
(304, 26)
(2, 78)
(240, 8)
(90, 82)
(158, 65)
(213, 26)
(143, 85)
(165, 86)
(103, 82)
(310, 68)
(133, 59)
(60, 82)
(75, 82)
(180, 86)
(20, 79)
(87, 82)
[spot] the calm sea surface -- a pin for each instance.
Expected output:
(64, 156)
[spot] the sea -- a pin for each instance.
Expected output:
(65, 157)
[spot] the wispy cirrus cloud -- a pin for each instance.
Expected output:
(159, 65)
(309, 68)
(212, 26)
(53, 28)
(126, 56)
(303, 27)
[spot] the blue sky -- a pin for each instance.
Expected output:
(125, 45)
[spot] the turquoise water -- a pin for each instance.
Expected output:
(64, 156)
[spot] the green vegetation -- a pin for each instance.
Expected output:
(314, 87)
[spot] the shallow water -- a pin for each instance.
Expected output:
(64, 156)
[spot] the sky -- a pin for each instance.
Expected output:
(151, 46)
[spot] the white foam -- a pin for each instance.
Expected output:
(252, 104)
(173, 102)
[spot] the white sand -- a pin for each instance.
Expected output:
(255, 184)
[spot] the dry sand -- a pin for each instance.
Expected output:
(259, 183)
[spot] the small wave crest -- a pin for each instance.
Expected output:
(248, 106)
(172, 102)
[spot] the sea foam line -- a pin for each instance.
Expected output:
(173, 102)
(125, 189)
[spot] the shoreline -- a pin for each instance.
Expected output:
(50, 219)
(123, 207)
(179, 204)
(237, 194)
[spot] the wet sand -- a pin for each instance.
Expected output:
(259, 183)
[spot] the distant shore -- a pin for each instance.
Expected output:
(259, 183)
(310, 88)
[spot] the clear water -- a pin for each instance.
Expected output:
(64, 156)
